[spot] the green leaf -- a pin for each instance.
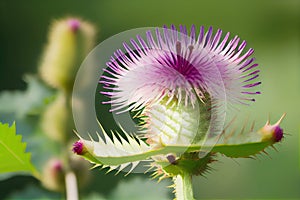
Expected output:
(13, 157)
(35, 97)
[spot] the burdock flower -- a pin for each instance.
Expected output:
(173, 70)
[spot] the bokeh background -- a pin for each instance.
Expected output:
(272, 28)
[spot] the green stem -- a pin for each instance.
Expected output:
(183, 186)
(70, 177)
(71, 186)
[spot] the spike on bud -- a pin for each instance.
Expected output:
(274, 132)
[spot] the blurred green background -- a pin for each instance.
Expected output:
(272, 28)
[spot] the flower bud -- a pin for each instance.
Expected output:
(176, 123)
(57, 120)
(53, 175)
(79, 148)
(85, 149)
(69, 42)
(273, 133)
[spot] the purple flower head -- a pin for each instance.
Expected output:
(278, 133)
(78, 147)
(74, 24)
(174, 64)
(57, 165)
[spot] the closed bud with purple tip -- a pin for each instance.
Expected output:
(69, 42)
(53, 176)
(85, 149)
(79, 148)
(273, 133)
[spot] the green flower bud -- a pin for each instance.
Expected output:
(85, 149)
(57, 120)
(69, 42)
(53, 177)
(174, 123)
(273, 133)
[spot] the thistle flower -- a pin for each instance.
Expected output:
(177, 82)
(170, 75)
(182, 66)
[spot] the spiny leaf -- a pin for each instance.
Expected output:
(110, 148)
(13, 157)
(118, 153)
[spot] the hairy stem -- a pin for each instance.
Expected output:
(183, 186)
(71, 186)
